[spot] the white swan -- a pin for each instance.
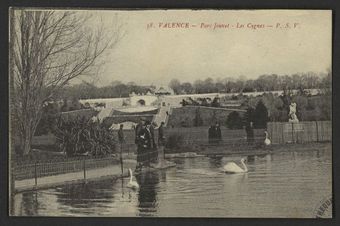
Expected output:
(266, 141)
(132, 184)
(232, 167)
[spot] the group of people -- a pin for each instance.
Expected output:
(145, 141)
(214, 134)
(147, 147)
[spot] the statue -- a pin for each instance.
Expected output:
(292, 113)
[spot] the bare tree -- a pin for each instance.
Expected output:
(48, 50)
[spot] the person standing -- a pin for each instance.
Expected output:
(121, 137)
(138, 128)
(139, 132)
(146, 140)
(121, 140)
(218, 134)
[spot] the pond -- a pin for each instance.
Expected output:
(283, 184)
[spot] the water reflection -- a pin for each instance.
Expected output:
(83, 195)
(29, 204)
(285, 184)
(147, 195)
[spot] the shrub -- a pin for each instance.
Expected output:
(260, 116)
(82, 135)
(234, 121)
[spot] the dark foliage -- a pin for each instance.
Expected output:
(234, 120)
(83, 136)
(48, 119)
(260, 116)
(249, 115)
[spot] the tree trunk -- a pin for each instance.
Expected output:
(26, 140)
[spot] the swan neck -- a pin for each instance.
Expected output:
(130, 175)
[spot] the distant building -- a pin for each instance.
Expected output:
(161, 91)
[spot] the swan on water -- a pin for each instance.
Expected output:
(232, 167)
(132, 184)
(266, 141)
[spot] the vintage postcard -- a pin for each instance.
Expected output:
(170, 113)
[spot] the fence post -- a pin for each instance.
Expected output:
(84, 167)
(121, 157)
(35, 175)
(317, 131)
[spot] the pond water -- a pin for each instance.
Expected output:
(284, 184)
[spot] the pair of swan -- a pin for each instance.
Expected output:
(132, 184)
(232, 167)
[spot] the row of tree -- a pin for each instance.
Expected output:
(262, 83)
(272, 82)
(116, 89)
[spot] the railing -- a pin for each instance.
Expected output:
(301, 132)
(43, 169)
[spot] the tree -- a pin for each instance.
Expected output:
(49, 49)
(187, 88)
(175, 85)
(234, 120)
(260, 116)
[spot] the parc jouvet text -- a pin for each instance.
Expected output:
(215, 25)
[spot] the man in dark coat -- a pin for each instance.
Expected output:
(145, 137)
(139, 142)
(218, 134)
(121, 138)
(138, 128)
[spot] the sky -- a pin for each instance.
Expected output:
(155, 55)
